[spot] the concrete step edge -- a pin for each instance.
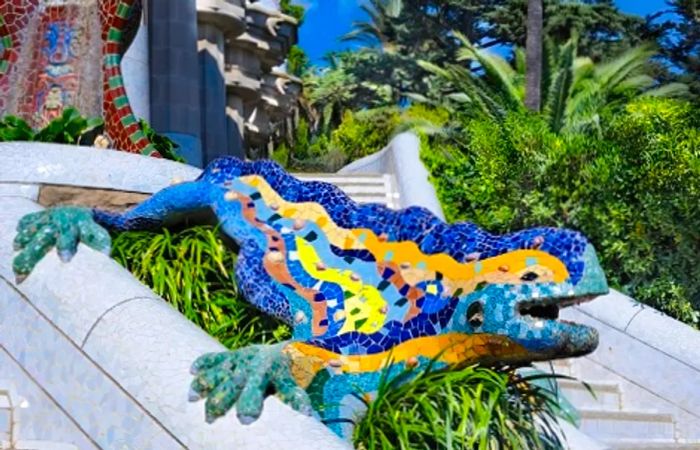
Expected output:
(651, 444)
(596, 386)
(640, 415)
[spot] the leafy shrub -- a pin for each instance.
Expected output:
(69, 128)
(634, 191)
(365, 132)
(192, 270)
(165, 146)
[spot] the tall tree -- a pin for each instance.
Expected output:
(681, 42)
(602, 29)
(533, 61)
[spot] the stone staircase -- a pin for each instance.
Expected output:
(363, 188)
(618, 415)
(11, 406)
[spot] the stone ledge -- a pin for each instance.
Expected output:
(647, 325)
(644, 359)
(40, 163)
(401, 159)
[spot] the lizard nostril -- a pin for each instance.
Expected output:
(529, 276)
(475, 314)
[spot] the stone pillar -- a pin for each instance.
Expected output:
(212, 91)
(235, 124)
(174, 80)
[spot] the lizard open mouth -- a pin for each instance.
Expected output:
(548, 308)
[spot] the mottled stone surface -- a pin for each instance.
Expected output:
(52, 195)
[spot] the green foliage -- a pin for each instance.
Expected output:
(576, 91)
(297, 61)
(296, 11)
(69, 128)
(165, 146)
(603, 29)
(472, 408)
(633, 190)
(358, 134)
(365, 132)
(192, 270)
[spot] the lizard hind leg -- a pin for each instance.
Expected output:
(242, 377)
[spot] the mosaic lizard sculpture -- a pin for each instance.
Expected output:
(366, 289)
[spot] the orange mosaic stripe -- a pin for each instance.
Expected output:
(451, 348)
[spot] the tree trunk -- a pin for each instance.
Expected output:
(533, 48)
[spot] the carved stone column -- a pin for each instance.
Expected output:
(217, 21)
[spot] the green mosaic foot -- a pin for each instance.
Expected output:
(62, 227)
(242, 377)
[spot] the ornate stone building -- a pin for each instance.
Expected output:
(207, 73)
(216, 76)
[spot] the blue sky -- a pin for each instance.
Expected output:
(327, 20)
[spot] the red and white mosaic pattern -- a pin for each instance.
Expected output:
(49, 59)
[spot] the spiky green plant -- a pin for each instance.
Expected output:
(473, 408)
(68, 128)
(193, 270)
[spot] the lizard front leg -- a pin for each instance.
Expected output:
(65, 226)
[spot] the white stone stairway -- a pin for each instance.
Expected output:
(616, 416)
(363, 188)
(11, 406)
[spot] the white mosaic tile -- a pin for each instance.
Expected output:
(151, 359)
(32, 162)
(86, 393)
(28, 191)
(38, 416)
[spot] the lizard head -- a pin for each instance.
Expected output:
(518, 294)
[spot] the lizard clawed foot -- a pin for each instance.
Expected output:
(242, 377)
(62, 227)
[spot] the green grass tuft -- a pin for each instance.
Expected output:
(193, 270)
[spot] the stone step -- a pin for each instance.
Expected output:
(608, 395)
(660, 444)
(43, 445)
(558, 366)
(642, 425)
(364, 188)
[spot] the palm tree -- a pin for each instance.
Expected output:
(383, 28)
(534, 54)
(574, 91)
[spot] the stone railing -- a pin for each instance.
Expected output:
(102, 360)
(401, 159)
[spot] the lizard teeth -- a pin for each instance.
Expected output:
(300, 317)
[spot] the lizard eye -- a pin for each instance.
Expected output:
(475, 314)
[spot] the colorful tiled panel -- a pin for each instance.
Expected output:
(367, 290)
(58, 53)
